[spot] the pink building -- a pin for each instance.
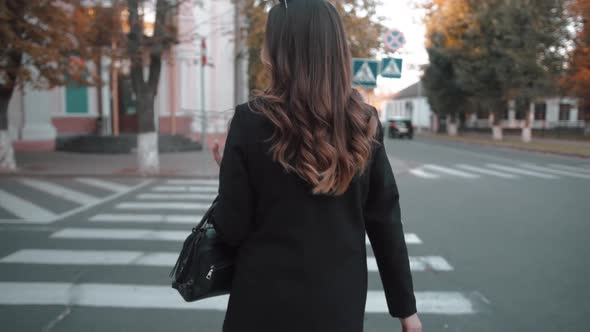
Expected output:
(37, 118)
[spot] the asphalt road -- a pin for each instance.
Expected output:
(497, 238)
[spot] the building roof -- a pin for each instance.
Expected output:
(413, 91)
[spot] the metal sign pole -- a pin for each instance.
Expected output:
(203, 112)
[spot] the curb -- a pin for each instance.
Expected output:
(9, 174)
(567, 154)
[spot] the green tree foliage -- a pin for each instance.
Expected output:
(440, 82)
(500, 49)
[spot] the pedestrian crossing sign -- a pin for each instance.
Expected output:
(391, 68)
(364, 72)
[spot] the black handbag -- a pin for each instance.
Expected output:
(205, 266)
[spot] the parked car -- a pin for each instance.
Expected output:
(400, 128)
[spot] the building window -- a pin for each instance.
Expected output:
(581, 113)
(409, 109)
(540, 111)
(76, 99)
(505, 114)
(564, 112)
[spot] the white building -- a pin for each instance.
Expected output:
(410, 103)
(36, 118)
(545, 113)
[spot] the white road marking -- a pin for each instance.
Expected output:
(410, 238)
(162, 206)
(121, 234)
(198, 182)
(571, 168)
(175, 196)
(164, 297)
(60, 191)
(196, 189)
(451, 171)
(162, 259)
(152, 234)
(418, 264)
(523, 171)
(419, 172)
(147, 218)
(25, 209)
(90, 257)
(556, 171)
(69, 213)
(440, 303)
(102, 184)
(487, 171)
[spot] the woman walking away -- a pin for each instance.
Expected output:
(304, 174)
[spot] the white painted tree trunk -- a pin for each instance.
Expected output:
(526, 134)
(7, 162)
(497, 133)
(147, 153)
(452, 129)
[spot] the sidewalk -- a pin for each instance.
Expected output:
(181, 164)
(566, 147)
(199, 164)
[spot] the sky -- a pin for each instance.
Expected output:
(403, 15)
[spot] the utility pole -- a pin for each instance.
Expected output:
(203, 111)
(240, 80)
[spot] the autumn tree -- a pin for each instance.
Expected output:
(146, 51)
(43, 44)
(577, 78)
(359, 18)
(502, 50)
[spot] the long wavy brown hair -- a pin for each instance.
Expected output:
(323, 130)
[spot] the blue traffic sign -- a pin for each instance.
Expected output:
(364, 72)
(391, 68)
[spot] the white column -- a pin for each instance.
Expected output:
(37, 117)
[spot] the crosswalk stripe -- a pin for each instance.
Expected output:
(152, 234)
(162, 206)
(146, 218)
(419, 172)
(487, 171)
(175, 196)
(60, 191)
(440, 303)
(523, 171)
(556, 171)
(418, 264)
(198, 189)
(24, 209)
(571, 168)
(410, 238)
(164, 297)
(120, 234)
(161, 259)
(102, 184)
(451, 171)
(199, 182)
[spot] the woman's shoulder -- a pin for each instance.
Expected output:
(251, 123)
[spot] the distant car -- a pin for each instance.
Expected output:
(400, 128)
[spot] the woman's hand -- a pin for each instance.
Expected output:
(411, 324)
(216, 154)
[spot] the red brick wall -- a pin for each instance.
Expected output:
(183, 125)
(74, 125)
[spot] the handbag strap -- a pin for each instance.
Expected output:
(207, 215)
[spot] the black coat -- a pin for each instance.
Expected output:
(301, 263)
